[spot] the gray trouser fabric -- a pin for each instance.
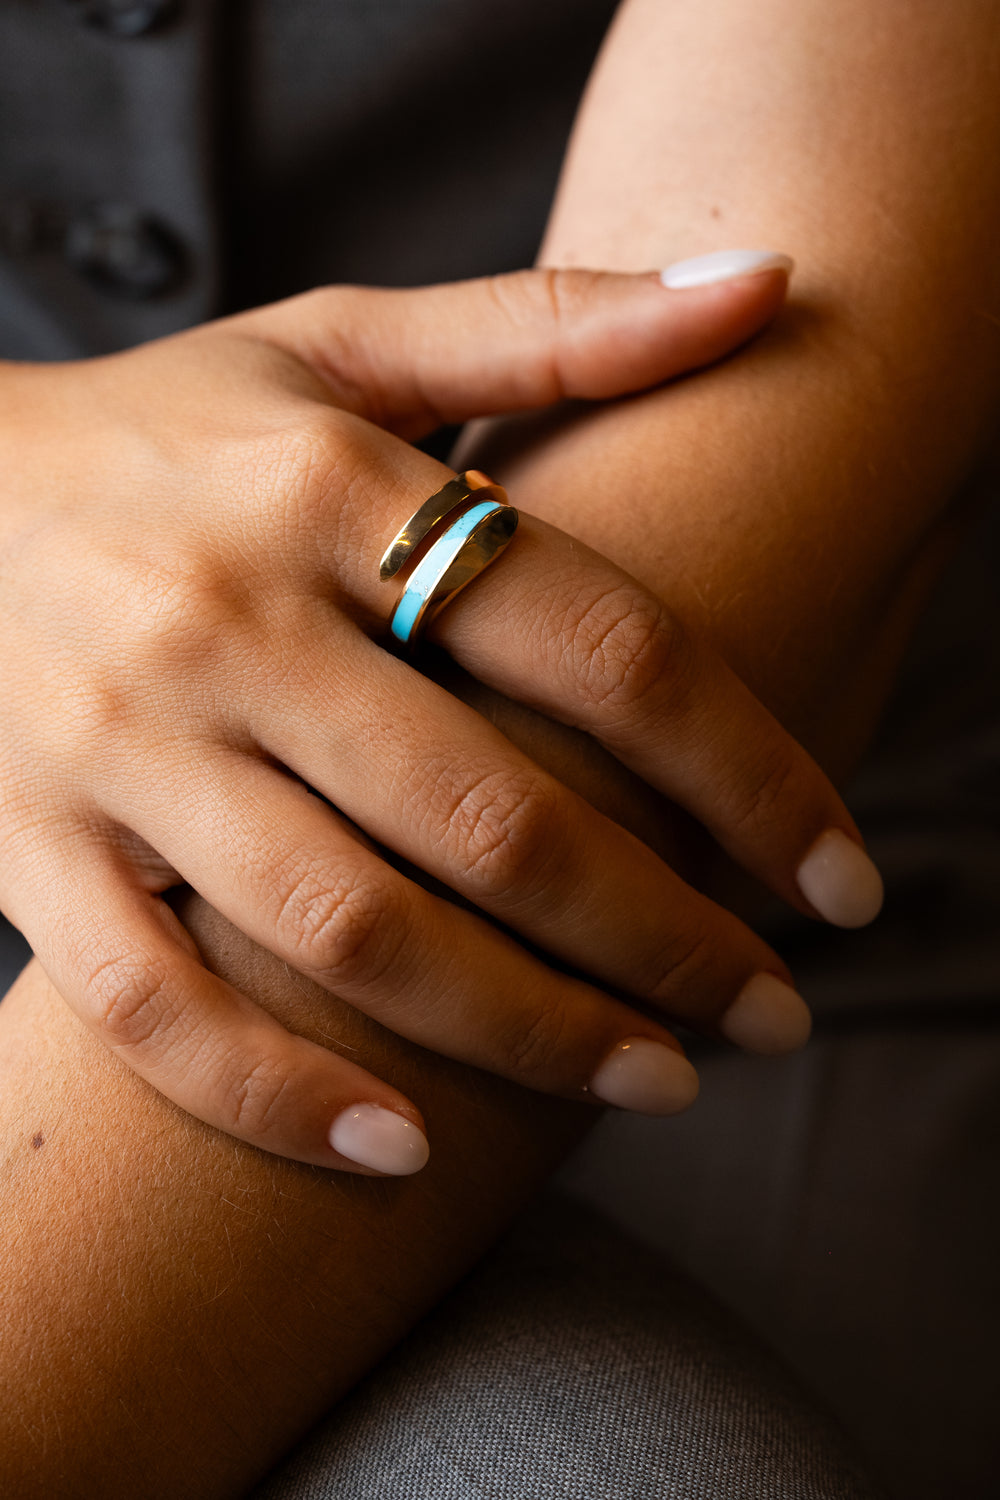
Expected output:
(845, 1203)
(574, 1364)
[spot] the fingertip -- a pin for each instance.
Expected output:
(724, 266)
(767, 1017)
(646, 1076)
(645, 330)
(840, 880)
(372, 1136)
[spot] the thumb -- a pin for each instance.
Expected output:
(413, 360)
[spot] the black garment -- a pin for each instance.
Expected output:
(233, 153)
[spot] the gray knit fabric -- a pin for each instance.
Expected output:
(574, 1364)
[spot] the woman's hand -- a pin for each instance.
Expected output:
(192, 619)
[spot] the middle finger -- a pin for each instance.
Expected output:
(428, 777)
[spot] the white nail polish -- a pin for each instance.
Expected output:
(723, 265)
(646, 1076)
(840, 881)
(767, 1017)
(381, 1139)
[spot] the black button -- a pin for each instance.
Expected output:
(124, 252)
(124, 17)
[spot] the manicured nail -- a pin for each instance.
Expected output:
(646, 1076)
(723, 265)
(768, 1017)
(379, 1138)
(840, 881)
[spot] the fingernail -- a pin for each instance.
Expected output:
(379, 1138)
(768, 1017)
(840, 881)
(646, 1076)
(723, 265)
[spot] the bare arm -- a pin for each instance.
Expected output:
(794, 501)
(189, 1297)
(177, 1308)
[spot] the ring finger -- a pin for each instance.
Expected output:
(559, 628)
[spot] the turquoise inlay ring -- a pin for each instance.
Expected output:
(475, 538)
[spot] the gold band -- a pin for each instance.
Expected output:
(481, 523)
(473, 484)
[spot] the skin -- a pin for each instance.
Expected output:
(802, 534)
(189, 537)
(890, 207)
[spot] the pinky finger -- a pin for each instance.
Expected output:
(211, 1050)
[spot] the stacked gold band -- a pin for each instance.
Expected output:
(481, 522)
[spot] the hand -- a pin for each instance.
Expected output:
(192, 616)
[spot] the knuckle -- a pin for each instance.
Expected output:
(257, 1100)
(525, 302)
(339, 934)
(532, 1050)
(502, 830)
(181, 608)
(523, 297)
(130, 1001)
(172, 622)
(568, 292)
(544, 303)
(291, 460)
(762, 798)
(294, 469)
(625, 645)
(348, 316)
(681, 976)
(548, 296)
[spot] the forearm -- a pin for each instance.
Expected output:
(177, 1308)
(794, 501)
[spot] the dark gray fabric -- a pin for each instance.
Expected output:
(845, 1203)
(87, 119)
(575, 1366)
(282, 145)
(399, 141)
(14, 954)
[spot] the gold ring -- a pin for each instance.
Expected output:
(444, 558)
